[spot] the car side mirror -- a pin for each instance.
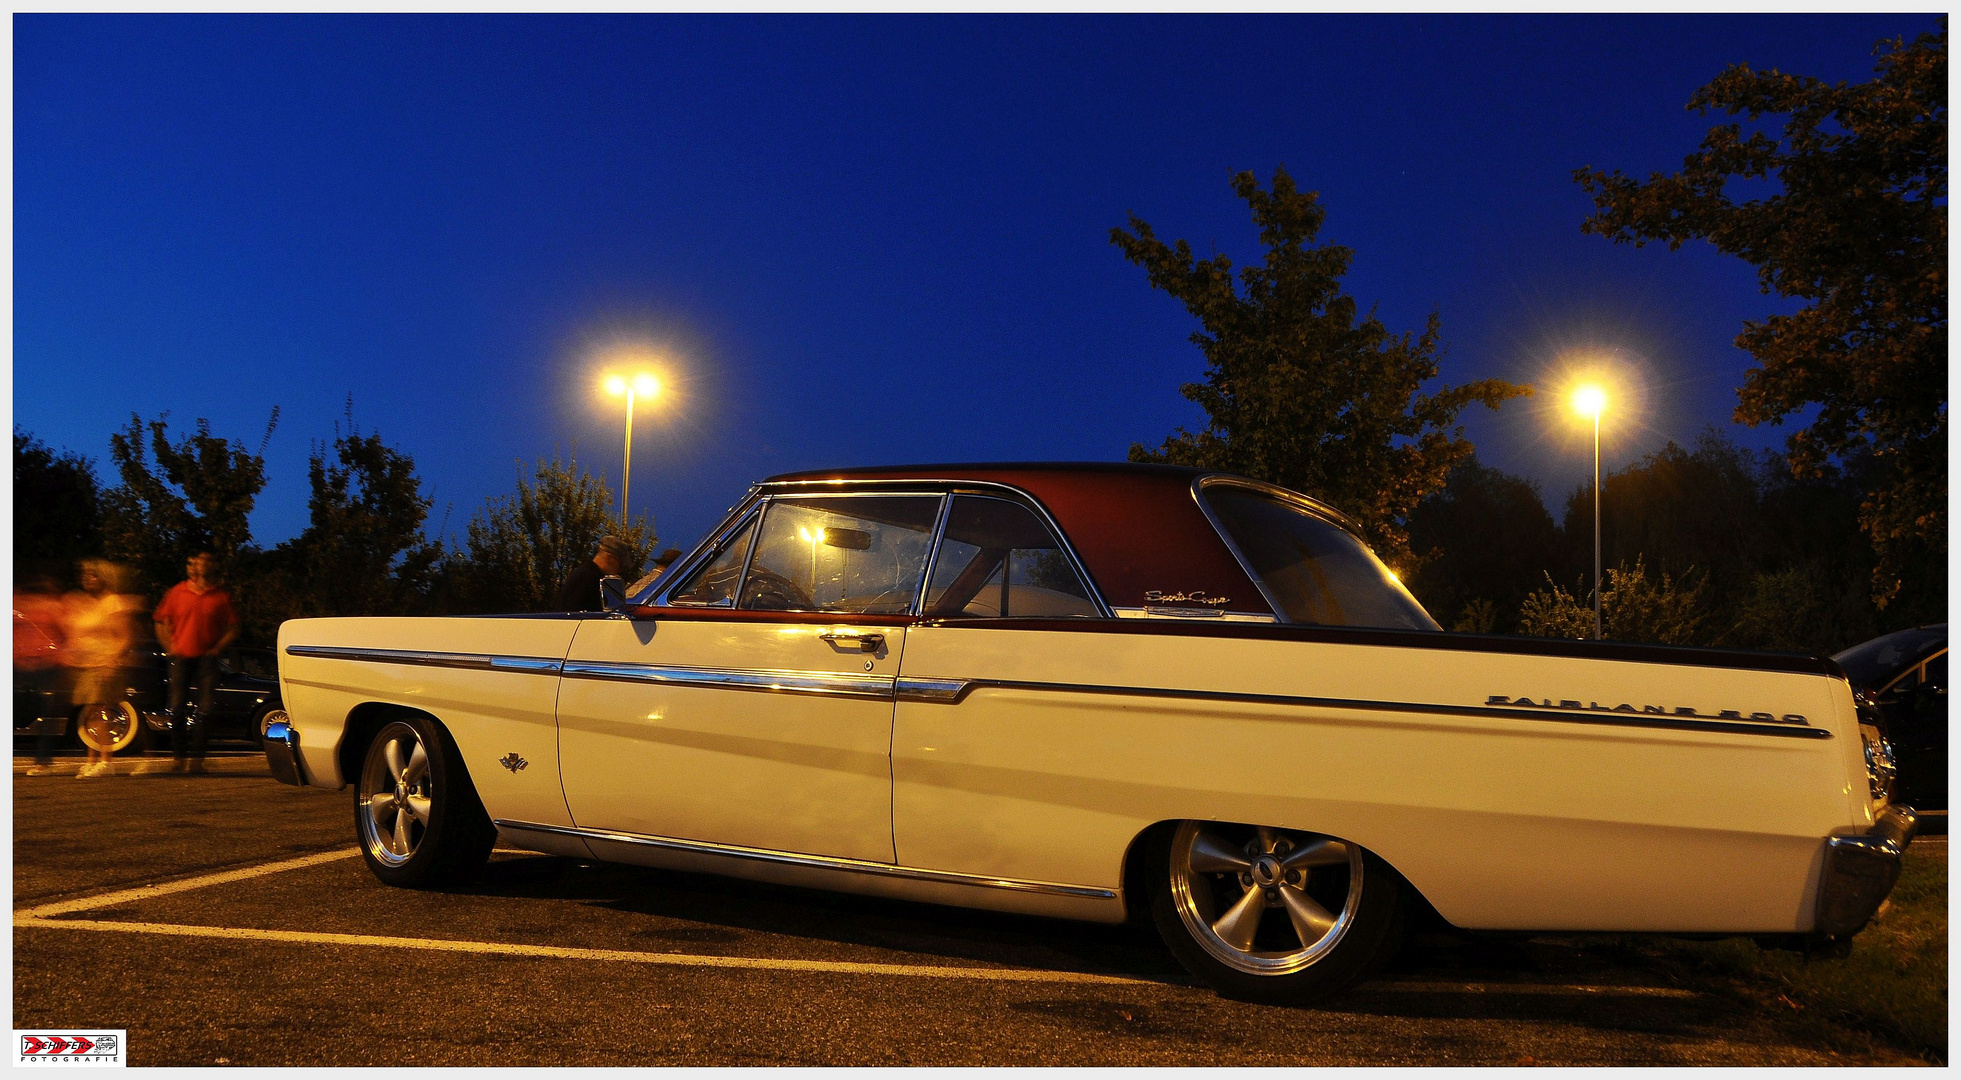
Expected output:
(612, 592)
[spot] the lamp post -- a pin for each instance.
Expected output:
(618, 385)
(1591, 401)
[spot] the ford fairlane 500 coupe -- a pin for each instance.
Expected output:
(1096, 691)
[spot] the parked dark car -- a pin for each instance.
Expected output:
(244, 701)
(1902, 677)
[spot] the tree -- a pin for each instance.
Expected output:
(521, 547)
(198, 497)
(56, 516)
(1481, 544)
(1634, 607)
(1855, 226)
(363, 550)
(1299, 391)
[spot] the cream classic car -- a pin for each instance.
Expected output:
(1095, 692)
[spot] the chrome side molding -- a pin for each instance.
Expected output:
(954, 691)
(526, 665)
(827, 683)
(814, 862)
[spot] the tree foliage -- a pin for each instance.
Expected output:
(1634, 607)
(520, 547)
(1298, 389)
(363, 551)
(197, 496)
(57, 516)
(1482, 543)
(1853, 223)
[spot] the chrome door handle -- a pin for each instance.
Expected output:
(865, 642)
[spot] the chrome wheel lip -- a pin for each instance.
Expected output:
(1248, 961)
(378, 782)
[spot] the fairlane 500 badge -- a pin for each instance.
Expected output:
(1649, 710)
(1154, 596)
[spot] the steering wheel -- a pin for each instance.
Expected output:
(767, 590)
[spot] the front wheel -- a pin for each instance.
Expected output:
(109, 728)
(415, 810)
(1274, 915)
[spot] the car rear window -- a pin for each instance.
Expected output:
(1315, 570)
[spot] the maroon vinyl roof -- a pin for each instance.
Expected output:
(1136, 528)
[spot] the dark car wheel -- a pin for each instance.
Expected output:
(1273, 915)
(416, 812)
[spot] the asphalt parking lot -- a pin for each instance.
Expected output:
(226, 919)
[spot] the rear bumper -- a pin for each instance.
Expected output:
(283, 753)
(1860, 872)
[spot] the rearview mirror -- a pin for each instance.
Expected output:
(612, 592)
(853, 539)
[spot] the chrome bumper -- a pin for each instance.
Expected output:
(283, 753)
(1860, 871)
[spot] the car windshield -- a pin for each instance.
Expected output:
(1314, 569)
(1872, 663)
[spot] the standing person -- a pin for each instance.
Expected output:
(100, 629)
(38, 614)
(195, 623)
(661, 562)
(581, 589)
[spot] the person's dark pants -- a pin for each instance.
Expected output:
(187, 733)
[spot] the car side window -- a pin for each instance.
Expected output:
(860, 554)
(998, 560)
(714, 584)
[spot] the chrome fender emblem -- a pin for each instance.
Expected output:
(512, 762)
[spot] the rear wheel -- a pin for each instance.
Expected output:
(109, 728)
(415, 810)
(1274, 915)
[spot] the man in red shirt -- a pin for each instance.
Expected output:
(195, 623)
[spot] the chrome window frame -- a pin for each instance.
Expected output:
(1062, 544)
(661, 591)
(762, 494)
(756, 505)
(1313, 506)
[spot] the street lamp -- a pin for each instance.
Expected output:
(627, 386)
(1590, 400)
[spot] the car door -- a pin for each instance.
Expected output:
(754, 708)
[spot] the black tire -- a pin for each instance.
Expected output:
(425, 827)
(1361, 895)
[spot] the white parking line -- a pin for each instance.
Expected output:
(42, 918)
(552, 952)
(145, 892)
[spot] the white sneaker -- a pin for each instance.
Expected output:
(148, 765)
(40, 770)
(90, 771)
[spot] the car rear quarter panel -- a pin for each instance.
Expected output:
(490, 714)
(1501, 823)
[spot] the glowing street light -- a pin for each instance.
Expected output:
(1590, 400)
(627, 386)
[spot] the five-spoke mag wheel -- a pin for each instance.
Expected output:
(415, 810)
(395, 787)
(1273, 914)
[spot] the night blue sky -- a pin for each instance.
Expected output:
(855, 240)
